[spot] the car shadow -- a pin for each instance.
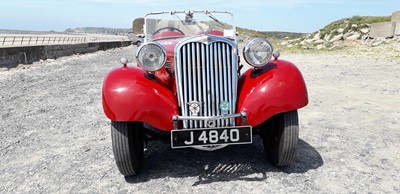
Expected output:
(240, 162)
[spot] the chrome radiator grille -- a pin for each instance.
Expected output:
(206, 73)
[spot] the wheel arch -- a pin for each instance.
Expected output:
(275, 88)
(128, 95)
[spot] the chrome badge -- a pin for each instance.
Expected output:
(224, 106)
(194, 108)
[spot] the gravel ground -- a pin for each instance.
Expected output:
(56, 139)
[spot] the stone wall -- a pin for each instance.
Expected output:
(384, 29)
(12, 56)
(396, 19)
(387, 29)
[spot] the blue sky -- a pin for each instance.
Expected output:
(262, 15)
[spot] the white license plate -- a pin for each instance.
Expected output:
(211, 136)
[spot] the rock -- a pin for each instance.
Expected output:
(319, 41)
(354, 25)
(347, 35)
(332, 48)
(284, 43)
(364, 30)
(320, 46)
(376, 43)
(336, 38)
(355, 36)
(316, 37)
(327, 37)
(340, 30)
(308, 41)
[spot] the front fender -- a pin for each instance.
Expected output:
(128, 95)
(277, 87)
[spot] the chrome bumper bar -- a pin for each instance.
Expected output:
(210, 120)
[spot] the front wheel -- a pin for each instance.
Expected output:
(280, 136)
(128, 145)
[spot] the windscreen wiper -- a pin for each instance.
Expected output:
(214, 18)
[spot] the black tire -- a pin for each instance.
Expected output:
(280, 136)
(128, 146)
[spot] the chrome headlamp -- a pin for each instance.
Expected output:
(151, 56)
(257, 52)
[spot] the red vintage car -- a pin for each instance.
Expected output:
(188, 88)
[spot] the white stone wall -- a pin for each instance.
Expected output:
(387, 29)
(384, 29)
(396, 19)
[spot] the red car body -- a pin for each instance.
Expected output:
(278, 87)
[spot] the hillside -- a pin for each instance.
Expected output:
(246, 34)
(99, 30)
(340, 33)
(8, 31)
(273, 36)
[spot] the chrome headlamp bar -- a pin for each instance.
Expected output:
(177, 118)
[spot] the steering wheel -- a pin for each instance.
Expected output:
(169, 28)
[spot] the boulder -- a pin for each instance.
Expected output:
(308, 41)
(376, 43)
(317, 36)
(355, 36)
(319, 41)
(320, 46)
(327, 37)
(336, 38)
(364, 30)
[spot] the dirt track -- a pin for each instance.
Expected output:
(56, 139)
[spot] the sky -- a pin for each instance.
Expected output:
(263, 15)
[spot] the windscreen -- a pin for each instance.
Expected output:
(161, 25)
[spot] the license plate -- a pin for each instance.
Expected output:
(211, 136)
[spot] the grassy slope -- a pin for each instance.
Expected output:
(347, 24)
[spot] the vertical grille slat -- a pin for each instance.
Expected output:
(205, 87)
(230, 75)
(193, 67)
(225, 90)
(206, 72)
(215, 66)
(189, 73)
(212, 83)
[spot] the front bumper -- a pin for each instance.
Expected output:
(210, 120)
